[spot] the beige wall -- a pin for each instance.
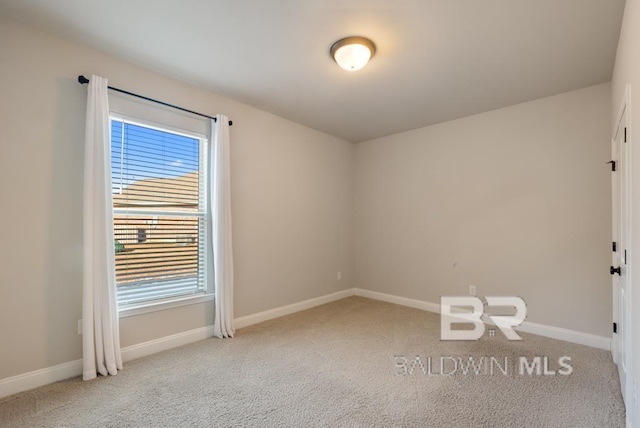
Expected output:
(627, 71)
(515, 201)
(292, 190)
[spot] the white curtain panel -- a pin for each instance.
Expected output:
(220, 219)
(100, 330)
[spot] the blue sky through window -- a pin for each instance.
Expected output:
(139, 153)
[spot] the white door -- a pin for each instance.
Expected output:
(619, 268)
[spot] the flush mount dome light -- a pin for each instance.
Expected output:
(352, 53)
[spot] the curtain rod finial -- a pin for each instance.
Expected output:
(82, 80)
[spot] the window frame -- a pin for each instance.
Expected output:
(207, 294)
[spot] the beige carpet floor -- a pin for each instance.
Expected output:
(338, 365)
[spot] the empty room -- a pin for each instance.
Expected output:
(336, 213)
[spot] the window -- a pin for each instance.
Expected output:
(142, 235)
(158, 179)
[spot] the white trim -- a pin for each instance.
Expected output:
(292, 308)
(162, 305)
(160, 125)
(402, 301)
(164, 343)
(572, 336)
(36, 378)
(623, 316)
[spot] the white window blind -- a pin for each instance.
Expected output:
(159, 201)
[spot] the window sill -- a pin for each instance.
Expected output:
(161, 305)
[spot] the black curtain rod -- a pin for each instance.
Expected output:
(82, 80)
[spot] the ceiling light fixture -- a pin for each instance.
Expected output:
(353, 53)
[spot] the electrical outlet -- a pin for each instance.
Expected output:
(472, 290)
(339, 276)
(80, 326)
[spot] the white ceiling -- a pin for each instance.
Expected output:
(437, 60)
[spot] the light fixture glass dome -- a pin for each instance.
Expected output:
(352, 53)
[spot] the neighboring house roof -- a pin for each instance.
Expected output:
(167, 193)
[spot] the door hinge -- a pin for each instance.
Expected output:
(615, 327)
(625, 134)
(614, 247)
(613, 165)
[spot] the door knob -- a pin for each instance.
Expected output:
(613, 270)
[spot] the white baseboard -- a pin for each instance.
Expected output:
(164, 343)
(36, 378)
(587, 339)
(572, 336)
(403, 301)
(292, 308)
